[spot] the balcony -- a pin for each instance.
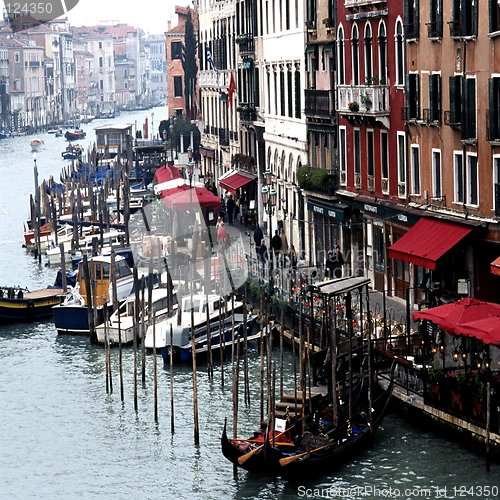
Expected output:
(247, 112)
(246, 44)
(319, 103)
(364, 100)
(223, 137)
(350, 4)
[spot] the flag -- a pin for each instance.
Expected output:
(230, 92)
(209, 58)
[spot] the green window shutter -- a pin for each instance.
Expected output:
(416, 29)
(455, 83)
(432, 96)
(476, 15)
(408, 97)
(491, 7)
(417, 96)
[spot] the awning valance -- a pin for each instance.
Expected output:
(427, 241)
(236, 180)
(495, 267)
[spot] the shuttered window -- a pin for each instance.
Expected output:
(469, 109)
(455, 84)
(435, 97)
(494, 109)
(494, 13)
(464, 18)
(412, 12)
(413, 96)
(435, 26)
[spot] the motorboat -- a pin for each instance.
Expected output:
(75, 135)
(72, 316)
(72, 152)
(120, 327)
(36, 144)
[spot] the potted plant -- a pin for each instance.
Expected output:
(328, 22)
(366, 102)
(353, 106)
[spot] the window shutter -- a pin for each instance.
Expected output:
(491, 14)
(432, 96)
(437, 92)
(491, 117)
(416, 27)
(417, 96)
(475, 7)
(455, 83)
(408, 96)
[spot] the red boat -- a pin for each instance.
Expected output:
(76, 135)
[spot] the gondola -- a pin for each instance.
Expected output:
(296, 456)
(257, 454)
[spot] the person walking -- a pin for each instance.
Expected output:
(284, 248)
(230, 205)
(293, 257)
(338, 262)
(276, 246)
(258, 236)
(222, 235)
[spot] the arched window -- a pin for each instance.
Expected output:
(355, 55)
(400, 53)
(340, 56)
(382, 53)
(368, 53)
(290, 168)
(276, 170)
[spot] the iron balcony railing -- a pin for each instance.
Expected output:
(371, 100)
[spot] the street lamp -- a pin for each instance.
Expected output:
(190, 166)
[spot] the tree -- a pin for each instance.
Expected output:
(189, 65)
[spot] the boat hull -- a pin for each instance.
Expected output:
(29, 308)
(73, 319)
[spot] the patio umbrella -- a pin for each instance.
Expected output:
(450, 316)
(166, 173)
(190, 198)
(487, 329)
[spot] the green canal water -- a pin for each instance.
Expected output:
(63, 437)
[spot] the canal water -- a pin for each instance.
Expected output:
(63, 437)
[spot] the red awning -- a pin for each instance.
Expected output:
(427, 241)
(166, 173)
(235, 181)
(451, 317)
(191, 198)
(495, 267)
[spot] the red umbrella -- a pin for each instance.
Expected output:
(169, 192)
(450, 316)
(166, 173)
(193, 197)
(487, 329)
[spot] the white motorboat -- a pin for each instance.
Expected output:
(120, 326)
(36, 144)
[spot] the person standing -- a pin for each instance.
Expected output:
(338, 262)
(230, 205)
(276, 246)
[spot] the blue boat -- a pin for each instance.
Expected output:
(71, 317)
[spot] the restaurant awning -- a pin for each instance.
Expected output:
(236, 180)
(427, 241)
(495, 267)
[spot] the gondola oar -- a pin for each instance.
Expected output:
(246, 456)
(287, 460)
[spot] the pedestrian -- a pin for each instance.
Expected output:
(334, 263)
(222, 235)
(258, 236)
(284, 248)
(276, 245)
(230, 206)
(436, 301)
(219, 222)
(293, 257)
(262, 254)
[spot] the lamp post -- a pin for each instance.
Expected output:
(190, 167)
(171, 127)
(269, 202)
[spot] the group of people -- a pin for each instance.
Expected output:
(281, 252)
(236, 208)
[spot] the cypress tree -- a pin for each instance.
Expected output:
(189, 65)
